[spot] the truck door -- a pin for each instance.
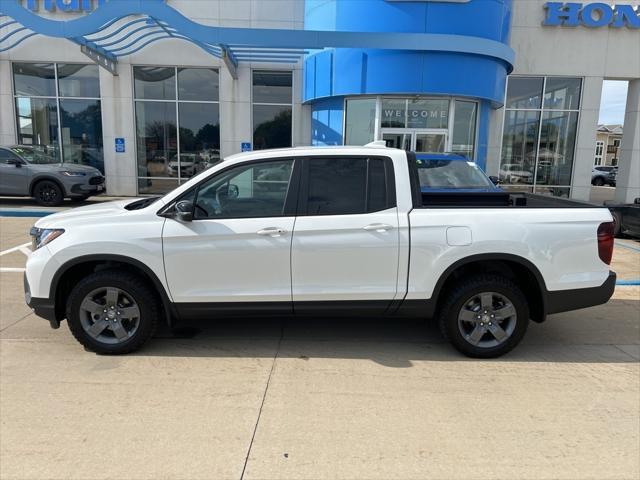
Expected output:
(237, 249)
(346, 238)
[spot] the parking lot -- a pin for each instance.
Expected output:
(278, 399)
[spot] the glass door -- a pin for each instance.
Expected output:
(402, 139)
(419, 141)
(430, 142)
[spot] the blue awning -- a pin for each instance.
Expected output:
(119, 28)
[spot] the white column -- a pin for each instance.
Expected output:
(494, 154)
(586, 138)
(118, 121)
(235, 110)
(628, 180)
(7, 110)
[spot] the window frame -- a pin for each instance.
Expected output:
(273, 104)
(541, 111)
(176, 102)
(390, 185)
(57, 97)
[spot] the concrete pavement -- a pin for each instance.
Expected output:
(316, 399)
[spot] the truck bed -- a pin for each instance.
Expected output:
(496, 200)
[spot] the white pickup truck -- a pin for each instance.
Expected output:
(320, 231)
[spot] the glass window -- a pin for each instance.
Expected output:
(428, 113)
(34, 79)
(81, 127)
(557, 143)
(337, 186)
(198, 84)
(272, 108)
(6, 155)
(199, 137)
(524, 92)
(562, 93)
(377, 186)
(464, 128)
(360, 121)
(271, 126)
(247, 191)
(436, 174)
(272, 87)
(176, 137)
(76, 80)
(343, 186)
(41, 155)
(78, 138)
(394, 113)
(155, 83)
(519, 145)
(37, 121)
(156, 139)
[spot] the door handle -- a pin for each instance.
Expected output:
(272, 231)
(378, 227)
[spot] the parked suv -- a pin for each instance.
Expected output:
(604, 175)
(30, 171)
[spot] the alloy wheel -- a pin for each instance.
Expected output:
(110, 315)
(487, 319)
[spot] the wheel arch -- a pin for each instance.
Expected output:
(63, 280)
(517, 268)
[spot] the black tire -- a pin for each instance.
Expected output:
(48, 193)
(457, 298)
(136, 289)
(617, 224)
(598, 182)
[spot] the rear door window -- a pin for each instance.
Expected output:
(347, 186)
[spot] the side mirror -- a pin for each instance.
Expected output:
(637, 201)
(184, 210)
(494, 179)
(15, 161)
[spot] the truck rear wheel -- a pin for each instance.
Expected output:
(485, 316)
(112, 312)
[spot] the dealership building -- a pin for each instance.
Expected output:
(152, 92)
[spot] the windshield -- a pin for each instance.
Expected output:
(37, 154)
(452, 174)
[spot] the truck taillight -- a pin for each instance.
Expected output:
(605, 241)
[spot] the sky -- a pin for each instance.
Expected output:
(613, 102)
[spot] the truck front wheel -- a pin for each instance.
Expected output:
(484, 316)
(112, 312)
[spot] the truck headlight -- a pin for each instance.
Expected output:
(72, 173)
(41, 236)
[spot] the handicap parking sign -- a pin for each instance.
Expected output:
(119, 145)
(245, 146)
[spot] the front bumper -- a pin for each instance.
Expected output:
(83, 189)
(42, 307)
(567, 300)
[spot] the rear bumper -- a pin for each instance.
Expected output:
(42, 307)
(567, 300)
